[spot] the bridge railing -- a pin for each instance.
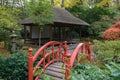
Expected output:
(47, 57)
(82, 48)
(59, 54)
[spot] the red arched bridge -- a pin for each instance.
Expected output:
(49, 58)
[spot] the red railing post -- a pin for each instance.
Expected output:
(86, 48)
(67, 66)
(89, 50)
(48, 58)
(53, 52)
(77, 57)
(43, 56)
(65, 50)
(30, 65)
(67, 61)
(82, 49)
(65, 46)
(59, 53)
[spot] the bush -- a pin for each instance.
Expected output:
(97, 28)
(88, 72)
(15, 67)
(2, 59)
(110, 71)
(5, 35)
(107, 50)
(113, 33)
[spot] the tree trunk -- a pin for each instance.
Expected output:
(62, 5)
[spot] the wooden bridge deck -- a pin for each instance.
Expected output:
(56, 71)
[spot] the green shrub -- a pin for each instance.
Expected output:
(97, 28)
(5, 35)
(107, 50)
(110, 71)
(15, 67)
(88, 72)
(2, 59)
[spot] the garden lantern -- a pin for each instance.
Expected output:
(13, 40)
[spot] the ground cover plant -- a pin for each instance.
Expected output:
(88, 72)
(107, 50)
(83, 71)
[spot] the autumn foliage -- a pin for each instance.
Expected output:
(113, 33)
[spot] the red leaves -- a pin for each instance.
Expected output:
(117, 25)
(113, 33)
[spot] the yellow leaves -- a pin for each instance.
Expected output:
(110, 2)
(84, 2)
(67, 3)
(8, 17)
(104, 2)
(57, 3)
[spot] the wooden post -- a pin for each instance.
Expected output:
(65, 46)
(62, 5)
(67, 61)
(82, 47)
(52, 2)
(39, 36)
(30, 65)
(71, 33)
(59, 34)
(77, 57)
(43, 56)
(89, 50)
(86, 48)
(59, 54)
(64, 33)
(25, 36)
(80, 36)
(51, 33)
(67, 66)
(53, 52)
(48, 58)
(31, 32)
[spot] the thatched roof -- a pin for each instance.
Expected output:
(62, 17)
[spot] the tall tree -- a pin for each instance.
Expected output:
(9, 17)
(9, 21)
(39, 11)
